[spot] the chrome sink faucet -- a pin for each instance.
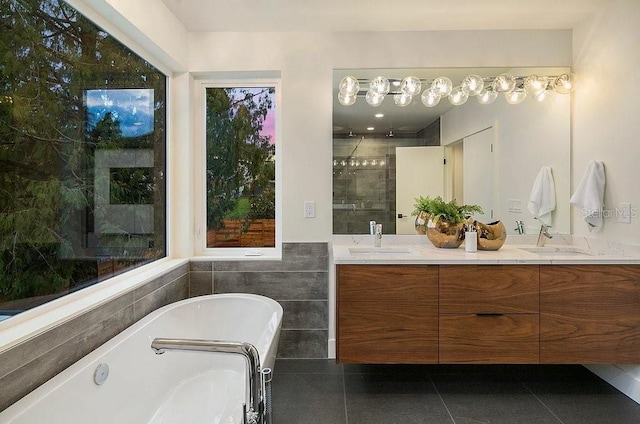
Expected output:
(376, 231)
(377, 237)
(543, 235)
(519, 227)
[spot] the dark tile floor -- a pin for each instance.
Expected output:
(308, 391)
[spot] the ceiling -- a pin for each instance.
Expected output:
(383, 15)
(380, 15)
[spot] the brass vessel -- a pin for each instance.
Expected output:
(491, 236)
(445, 234)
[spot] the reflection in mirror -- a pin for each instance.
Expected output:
(487, 154)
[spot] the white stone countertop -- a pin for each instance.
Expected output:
(410, 249)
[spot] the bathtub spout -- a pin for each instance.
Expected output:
(255, 414)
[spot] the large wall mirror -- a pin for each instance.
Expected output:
(488, 154)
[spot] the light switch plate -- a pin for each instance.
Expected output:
(515, 205)
(623, 212)
(309, 209)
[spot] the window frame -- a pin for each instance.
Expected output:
(200, 166)
(40, 319)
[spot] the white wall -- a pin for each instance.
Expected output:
(146, 26)
(605, 111)
(306, 62)
(528, 136)
(605, 127)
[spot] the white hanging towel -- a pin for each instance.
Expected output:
(589, 196)
(542, 200)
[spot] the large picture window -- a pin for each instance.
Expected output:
(240, 146)
(82, 155)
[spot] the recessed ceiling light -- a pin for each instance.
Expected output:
(379, 115)
(370, 128)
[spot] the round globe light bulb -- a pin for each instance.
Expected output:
(379, 85)
(564, 83)
(504, 83)
(401, 99)
(458, 97)
(374, 99)
(472, 85)
(346, 100)
(411, 86)
(542, 95)
(486, 97)
(429, 98)
(515, 97)
(534, 84)
(442, 86)
(349, 86)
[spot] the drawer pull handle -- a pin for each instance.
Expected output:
(489, 315)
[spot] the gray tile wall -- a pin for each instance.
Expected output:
(32, 362)
(299, 282)
(371, 189)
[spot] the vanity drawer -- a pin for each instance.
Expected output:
(376, 333)
(489, 339)
(388, 283)
(489, 289)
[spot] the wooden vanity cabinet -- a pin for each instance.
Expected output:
(552, 314)
(387, 314)
(590, 314)
(489, 314)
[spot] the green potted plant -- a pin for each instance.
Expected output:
(443, 222)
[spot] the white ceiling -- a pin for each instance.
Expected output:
(380, 15)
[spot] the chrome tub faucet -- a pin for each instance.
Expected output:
(258, 412)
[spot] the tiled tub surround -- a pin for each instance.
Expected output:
(299, 282)
(178, 387)
(29, 364)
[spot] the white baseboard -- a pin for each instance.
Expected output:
(332, 348)
(619, 378)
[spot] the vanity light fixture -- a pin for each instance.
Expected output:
(371, 163)
(486, 89)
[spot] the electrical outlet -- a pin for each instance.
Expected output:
(623, 212)
(309, 209)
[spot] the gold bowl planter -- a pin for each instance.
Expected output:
(491, 236)
(445, 234)
(421, 223)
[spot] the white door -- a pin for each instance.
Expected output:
(478, 179)
(419, 172)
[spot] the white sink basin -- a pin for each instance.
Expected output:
(386, 251)
(555, 251)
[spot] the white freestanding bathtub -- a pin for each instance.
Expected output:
(175, 387)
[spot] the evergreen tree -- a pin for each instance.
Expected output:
(49, 56)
